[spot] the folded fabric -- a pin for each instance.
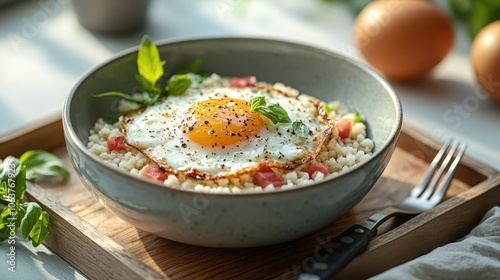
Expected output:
(476, 256)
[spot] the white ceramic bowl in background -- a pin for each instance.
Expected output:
(111, 16)
(245, 219)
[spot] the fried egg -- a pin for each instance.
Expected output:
(211, 132)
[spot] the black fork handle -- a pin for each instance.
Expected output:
(335, 254)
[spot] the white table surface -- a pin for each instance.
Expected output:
(43, 52)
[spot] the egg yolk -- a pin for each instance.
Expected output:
(219, 123)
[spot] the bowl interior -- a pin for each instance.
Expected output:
(313, 71)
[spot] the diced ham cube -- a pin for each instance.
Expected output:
(344, 127)
(117, 143)
(265, 176)
(154, 172)
(242, 82)
(316, 168)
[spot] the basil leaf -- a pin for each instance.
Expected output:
(257, 101)
(178, 85)
(300, 129)
(122, 95)
(40, 229)
(190, 67)
(274, 112)
(280, 113)
(13, 177)
(6, 223)
(9, 168)
(21, 183)
(31, 217)
(4, 192)
(21, 212)
(40, 162)
(35, 223)
(149, 64)
(145, 84)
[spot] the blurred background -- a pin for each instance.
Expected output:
(46, 45)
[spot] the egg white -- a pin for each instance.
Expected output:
(157, 132)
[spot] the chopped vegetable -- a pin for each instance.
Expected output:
(344, 126)
(316, 168)
(266, 176)
(154, 172)
(242, 82)
(117, 143)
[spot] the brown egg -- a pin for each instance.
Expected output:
(404, 40)
(485, 56)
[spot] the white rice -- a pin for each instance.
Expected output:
(337, 154)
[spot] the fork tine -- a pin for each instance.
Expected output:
(432, 185)
(443, 187)
(421, 186)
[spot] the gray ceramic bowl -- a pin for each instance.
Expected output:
(235, 220)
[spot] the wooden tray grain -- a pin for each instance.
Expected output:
(102, 246)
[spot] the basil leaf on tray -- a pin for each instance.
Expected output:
(13, 178)
(35, 223)
(40, 162)
(29, 216)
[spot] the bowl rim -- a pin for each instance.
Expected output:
(70, 133)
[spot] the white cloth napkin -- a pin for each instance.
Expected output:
(476, 256)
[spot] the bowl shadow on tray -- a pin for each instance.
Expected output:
(182, 261)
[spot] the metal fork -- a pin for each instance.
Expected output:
(336, 253)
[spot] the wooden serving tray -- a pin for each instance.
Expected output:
(102, 246)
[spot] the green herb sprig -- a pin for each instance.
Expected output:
(14, 212)
(150, 70)
(275, 113)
